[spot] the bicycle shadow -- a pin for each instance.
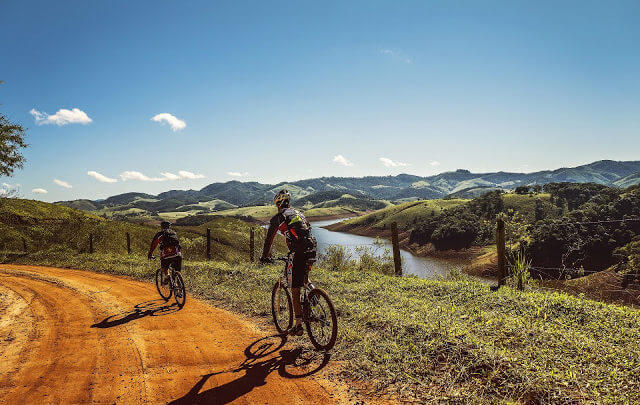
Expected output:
(157, 307)
(261, 360)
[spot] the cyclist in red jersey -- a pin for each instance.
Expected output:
(297, 230)
(170, 250)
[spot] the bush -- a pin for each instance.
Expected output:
(335, 258)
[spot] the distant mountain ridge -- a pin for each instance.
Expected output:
(394, 188)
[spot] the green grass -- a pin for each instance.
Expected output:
(259, 211)
(442, 340)
(525, 204)
(47, 226)
(404, 214)
(329, 211)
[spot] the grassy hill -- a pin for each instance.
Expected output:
(404, 214)
(630, 180)
(47, 226)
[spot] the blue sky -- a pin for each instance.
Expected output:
(274, 91)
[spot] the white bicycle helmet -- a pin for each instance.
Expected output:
(281, 198)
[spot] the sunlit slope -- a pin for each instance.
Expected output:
(45, 226)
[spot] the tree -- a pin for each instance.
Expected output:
(11, 141)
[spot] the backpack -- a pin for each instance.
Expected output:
(170, 238)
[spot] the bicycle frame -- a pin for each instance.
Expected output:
(284, 282)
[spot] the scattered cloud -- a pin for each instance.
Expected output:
(182, 174)
(39, 191)
(341, 160)
(391, 163)
(62, 117)
(238, 174)
(174, 122)
(170, 176)
(62, 183)
(133, 175)
(434, 163)
(101, 178)
(396, 54)
(188, 175)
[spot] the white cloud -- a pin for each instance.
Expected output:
(182, 174)
(101, 178)
(133, 175)
(396, 54)
(434, 163)
(188, 175)
(174, 122)
(238, 174)
(341, 160)
(39, 191)
(62, 183)
(170, 176)
(391, 163)
(62, 117)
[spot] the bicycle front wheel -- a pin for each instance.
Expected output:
(163, 290)
(179, 292)
(321, 320)
(281, 307)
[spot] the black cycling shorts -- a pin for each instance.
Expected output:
(302, 262)
(175, 262)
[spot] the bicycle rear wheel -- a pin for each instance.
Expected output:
(281, 308)
(321, 320)
(163, 290)
(180, 293)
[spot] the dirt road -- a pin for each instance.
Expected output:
(69, 336)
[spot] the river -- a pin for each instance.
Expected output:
(424, 267)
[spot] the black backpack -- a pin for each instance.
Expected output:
(170, 238)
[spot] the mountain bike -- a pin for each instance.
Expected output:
(175, 286)
(318, 313)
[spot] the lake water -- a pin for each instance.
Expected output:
(424, 267)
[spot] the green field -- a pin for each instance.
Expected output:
(431, 340)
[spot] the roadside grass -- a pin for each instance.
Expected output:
(446, 340)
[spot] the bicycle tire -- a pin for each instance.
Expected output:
(281, 327)
(181, 293)
(321, 295)
(164, 295)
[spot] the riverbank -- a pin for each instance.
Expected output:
(466, 255)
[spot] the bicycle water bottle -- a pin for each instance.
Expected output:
(289, 281)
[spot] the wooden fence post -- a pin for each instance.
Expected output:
(251, 244)
(500, 244)
(90, 243)
(24, 245)
(128, 243)
(397, 262)
(208, 244)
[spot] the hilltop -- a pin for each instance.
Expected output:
(400, 188)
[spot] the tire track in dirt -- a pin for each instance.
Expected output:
(82, 337)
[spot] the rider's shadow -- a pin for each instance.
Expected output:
(290, 363)
(148, 308)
